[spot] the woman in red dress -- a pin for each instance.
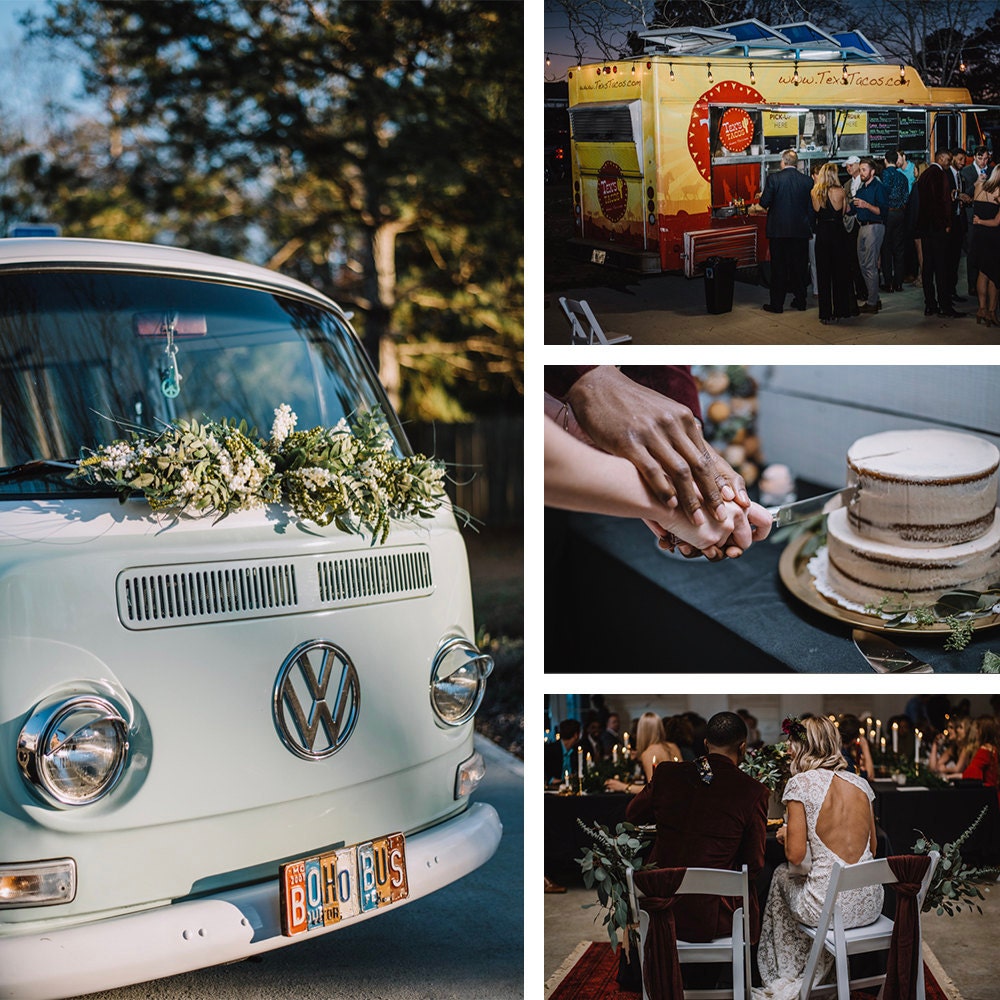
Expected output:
(985, 763)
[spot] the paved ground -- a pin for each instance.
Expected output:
(670, 309)
(431, 949)
(965, 945)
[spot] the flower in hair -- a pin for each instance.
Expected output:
(793, 729)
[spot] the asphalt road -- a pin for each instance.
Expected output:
(467, 940)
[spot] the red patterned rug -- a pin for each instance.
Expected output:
(589, 974)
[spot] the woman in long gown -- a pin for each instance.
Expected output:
(829, 819)
(986, 237)
(833, 268)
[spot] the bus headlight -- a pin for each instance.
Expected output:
(73, 751)
(458, 680)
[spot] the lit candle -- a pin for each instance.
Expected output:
(882, 743)
(547, 734)
(614, 755)
(868, 722)
(895, 737)
(861, 732)
(654, 761)
(590, 764)
(871, 735)
(625, 736)
(579, 762)
(557, 736)
(675, 758)
(878, 729)
(916, 746)
(566, 778)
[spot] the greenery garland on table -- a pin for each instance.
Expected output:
(347, 475)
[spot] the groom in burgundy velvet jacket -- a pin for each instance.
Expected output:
(708, 814)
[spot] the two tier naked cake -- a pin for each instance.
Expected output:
(925, 519)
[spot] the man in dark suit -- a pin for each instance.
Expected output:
(787, 198)
(934, 221)
(708, 814)
(560, 757)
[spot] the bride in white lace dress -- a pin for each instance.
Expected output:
(829, 818)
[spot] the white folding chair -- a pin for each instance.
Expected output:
(734, 949)
(584, 328)
(841, 942)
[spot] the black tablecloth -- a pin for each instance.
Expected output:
(564, 840)
(614, 602)
(942, 814)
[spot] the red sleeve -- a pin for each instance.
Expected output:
(640, 809)
(673, 381)
(977, 766)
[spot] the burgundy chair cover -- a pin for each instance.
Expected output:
(661, 969)
(904, 949)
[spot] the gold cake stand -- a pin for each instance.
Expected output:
(795, 575)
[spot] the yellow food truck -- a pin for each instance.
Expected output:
(669, 149)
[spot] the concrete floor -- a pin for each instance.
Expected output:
(965, 945)
(670, 309)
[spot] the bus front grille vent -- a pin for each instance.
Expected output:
(159, 597)
(365, 578)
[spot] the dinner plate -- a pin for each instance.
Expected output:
(794, 572)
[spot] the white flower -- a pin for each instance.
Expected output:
(284, 423)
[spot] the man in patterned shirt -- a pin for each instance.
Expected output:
(896, 190)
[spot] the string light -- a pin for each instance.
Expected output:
(711, 79)
(753, 79)
(961, 63)
(671, 72)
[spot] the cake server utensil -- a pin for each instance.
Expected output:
(804, 510)
(885, 657)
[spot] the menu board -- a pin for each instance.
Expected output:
(913, 131)
(883, 132)
(891, 129)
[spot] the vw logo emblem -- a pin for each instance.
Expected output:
(316, 701)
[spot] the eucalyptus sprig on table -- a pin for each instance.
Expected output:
(991, 663)
(959, 609)
(953, 884)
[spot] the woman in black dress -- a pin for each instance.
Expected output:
(833, 268)
(986, 237)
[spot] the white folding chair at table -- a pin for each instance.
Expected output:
(734, 949)
(842, 942)
(584, 328)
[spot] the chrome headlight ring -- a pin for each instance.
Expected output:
(72, 751)
(458, 680)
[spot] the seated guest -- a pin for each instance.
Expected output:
(612, 737)
(985, 764)
(829, 819)
(592, 742)
(651, 748)
(854, 746)
(708, 814)
(560, 757)
(679, 731)
(950, 753)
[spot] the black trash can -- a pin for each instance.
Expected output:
(720, 277)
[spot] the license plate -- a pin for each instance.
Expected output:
(329, 888)
(598, 256)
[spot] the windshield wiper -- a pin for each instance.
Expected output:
(36, 468)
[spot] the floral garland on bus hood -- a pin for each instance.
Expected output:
(347, 475)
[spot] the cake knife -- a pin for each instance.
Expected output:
(804, 510)
(885, 657)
